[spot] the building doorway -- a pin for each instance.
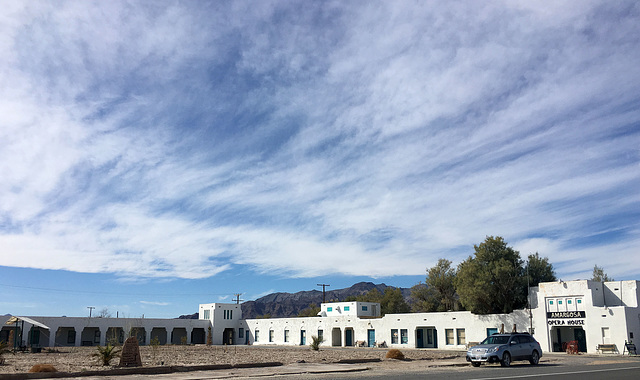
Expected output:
(227, 336)
(426, 337)
(371, 338)
(348, 337)
(560, 336)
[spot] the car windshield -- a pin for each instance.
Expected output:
(496, 340)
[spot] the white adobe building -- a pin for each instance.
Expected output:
(588, 312)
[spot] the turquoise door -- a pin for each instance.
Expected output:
(419, 338)
(303, 337)
(348, 338)
(371, 338)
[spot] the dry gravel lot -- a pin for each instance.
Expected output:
(78, 359)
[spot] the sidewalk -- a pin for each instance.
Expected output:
(253, 372)
(291, 369)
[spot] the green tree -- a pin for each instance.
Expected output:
(539, 269)
(438, 293)
(441, 278)
(372, 295)
(390, 302)
(599, 275)
(393, 302)
(311, 311)
(423, 299)
(492, 281)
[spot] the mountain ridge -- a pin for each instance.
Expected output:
(282, 304)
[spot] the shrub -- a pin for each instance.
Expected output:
(4, 349)
(107, 353)
(315, 342)
(395, 354)
(43, 368)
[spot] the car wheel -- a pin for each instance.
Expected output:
(475, 364)
(535, 358)
(506, 360)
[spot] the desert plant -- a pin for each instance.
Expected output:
(155, 347)
(183, 340)
(4, 349)
(315, 342)
(43, 368)
(395, 354)
(107, 353)
(209, 337)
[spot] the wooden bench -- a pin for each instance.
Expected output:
(630, 348)
(610, 348)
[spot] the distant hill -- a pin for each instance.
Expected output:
(281, 305)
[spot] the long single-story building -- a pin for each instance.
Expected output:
(588, 312)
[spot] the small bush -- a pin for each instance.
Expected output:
(107, 353)
(4, 349)
(43, 368)
(315, 342)
(395, 354)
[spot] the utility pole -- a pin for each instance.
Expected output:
(238, 300)
(90, 310)
(323, 292)
(529, 299)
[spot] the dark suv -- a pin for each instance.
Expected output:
(504, 348)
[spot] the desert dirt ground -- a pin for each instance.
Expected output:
(79, 359)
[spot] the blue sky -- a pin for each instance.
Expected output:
(157, 155)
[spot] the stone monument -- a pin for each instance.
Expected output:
(130, 355)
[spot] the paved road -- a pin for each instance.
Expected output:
(552, 367)
(608, 371)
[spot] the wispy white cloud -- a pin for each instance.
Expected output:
(155, 303)
(361, 139)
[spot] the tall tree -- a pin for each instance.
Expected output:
(492, 281)
(438, 293)
(393, 302)
(441, 278)
(599, 275)
(423, 298)
(539, 269)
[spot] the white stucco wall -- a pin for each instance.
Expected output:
(601, 313)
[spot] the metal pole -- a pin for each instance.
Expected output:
(323, 292)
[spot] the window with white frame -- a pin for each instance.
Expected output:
(271, 334)
(461, 337)
(286, 335)
(404, 336)
(448, 333)
(206, 314)
(256, 335)
(394, 336)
